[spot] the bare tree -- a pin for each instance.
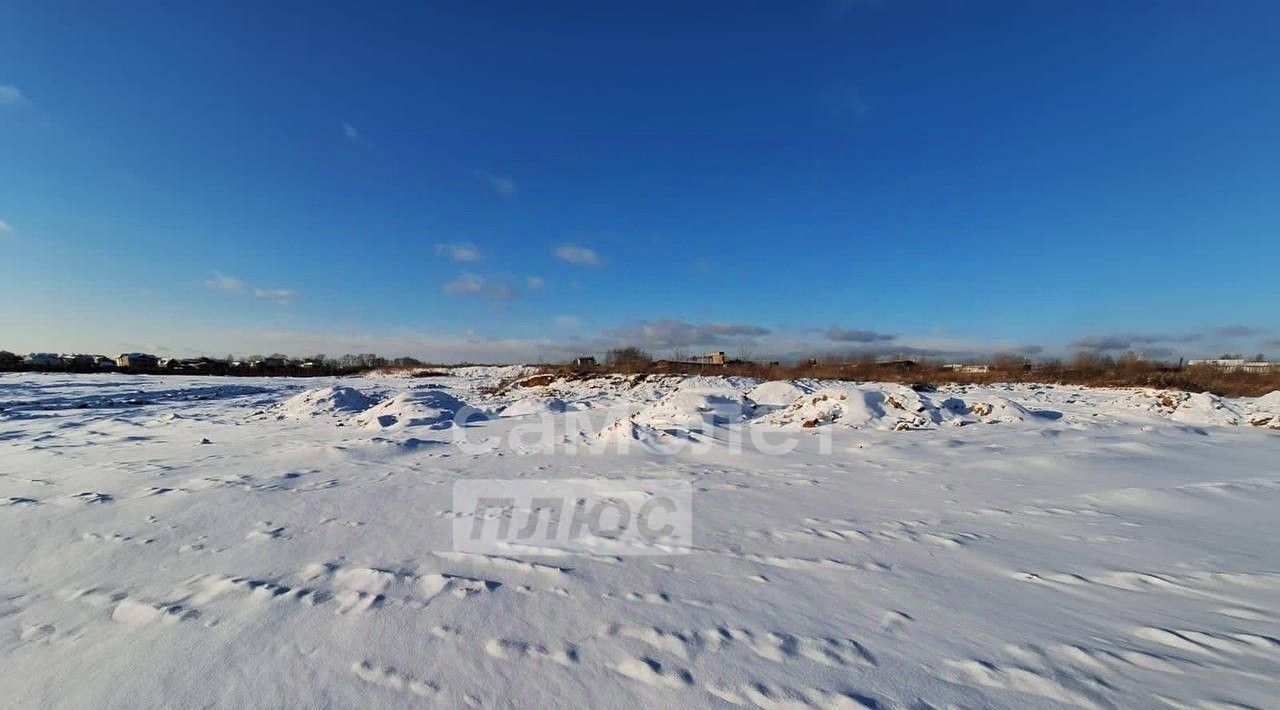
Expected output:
(629, 358)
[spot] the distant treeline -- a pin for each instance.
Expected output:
(1085, 368)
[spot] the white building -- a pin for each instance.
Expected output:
(967, 369)
(1236, 365)
(715, 358)
(141, 361)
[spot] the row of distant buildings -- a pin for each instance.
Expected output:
(145, 362)
(1257, 367)
(718, 357)
(1230, 365)
(1260, 367)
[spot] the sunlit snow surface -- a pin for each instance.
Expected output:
(210, 542)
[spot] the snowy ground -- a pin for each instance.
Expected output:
(973, 547)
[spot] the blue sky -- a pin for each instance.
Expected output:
(492, 181)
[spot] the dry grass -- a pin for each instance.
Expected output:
(1101, 374)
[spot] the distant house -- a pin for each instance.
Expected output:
(138, 361)
(1217, 362)
(967, 369)
(195, 364)
(77, 361)
(1260, 368)
(1237, 365)
(584, 361)
(43, 360)
(270, 363)
(715, 358)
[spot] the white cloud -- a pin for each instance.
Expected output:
(466, 284)
(581, 256)
(459, 252)
(351, 133)
(500, 184)
(5, 228)
(228, 284)
(275, 294)
(477, 285)
(10, 96)
(568, 321)
(533, 283)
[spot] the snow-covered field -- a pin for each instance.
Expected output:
(208, 542)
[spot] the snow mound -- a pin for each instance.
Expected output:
(1266, 411)
(1155, 402)
(535, 406)
(1265, 419)
(324, 401)
(996, 410)
(428, 407)
(699, 383)
(696, 410)
(893, 407)
(822, 407)
(1200, 409)
(489, 373)
(626, 430)
(778, 393)
(911, 409)
(1208, 410)
(535, 381)
(888, 406)
(1268, 402)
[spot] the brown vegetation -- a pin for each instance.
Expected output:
(1085, 369)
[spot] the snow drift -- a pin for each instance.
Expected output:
(428, 407)
(696, 410)
(1199, 409)
(324, 401)
(534, 406)
(778, 393)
